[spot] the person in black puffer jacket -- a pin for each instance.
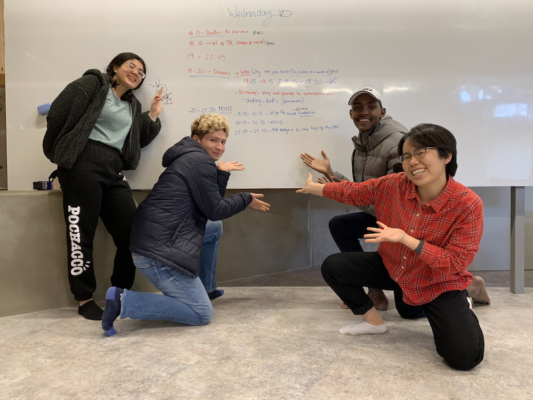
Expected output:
(95, 129)
(169, 226)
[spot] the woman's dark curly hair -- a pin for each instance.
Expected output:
(117, 62)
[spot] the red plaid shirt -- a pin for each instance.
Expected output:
(451, 227)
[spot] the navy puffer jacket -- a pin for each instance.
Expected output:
(169, 224)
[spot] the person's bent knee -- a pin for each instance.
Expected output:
(335, 223)
(217, 228)
(329, 265)
(464, 359)
(205, 316)
(326, 266)
(464, 364)
(220, 230)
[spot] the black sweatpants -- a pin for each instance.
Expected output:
(456, 331)
(93, 187)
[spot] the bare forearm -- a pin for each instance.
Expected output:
(316, 189)
(410, 242)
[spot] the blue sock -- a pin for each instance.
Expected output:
(215, 293)
(113, 299)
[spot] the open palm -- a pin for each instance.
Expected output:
(322, 166)
(384, 234)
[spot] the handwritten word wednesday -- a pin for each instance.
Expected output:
(258, 13)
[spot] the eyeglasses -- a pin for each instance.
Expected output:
(418, 153)
(133, 67)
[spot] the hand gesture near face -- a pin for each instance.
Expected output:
(230, 166)
(322, 166)
(258, 204)
(384, 234)
(156, 106)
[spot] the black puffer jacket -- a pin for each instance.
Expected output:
(169, 224)
(72, 117)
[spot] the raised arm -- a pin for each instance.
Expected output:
(150, 122)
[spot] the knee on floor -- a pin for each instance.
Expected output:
(464, 359)
(205, 316)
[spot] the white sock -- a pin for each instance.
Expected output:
(470, 303)
(363, 328)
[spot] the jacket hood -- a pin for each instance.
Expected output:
(103, 78)
(381, 131)
(184, 146)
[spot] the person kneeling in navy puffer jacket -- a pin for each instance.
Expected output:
(169, 229)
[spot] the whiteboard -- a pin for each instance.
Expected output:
(282, 72)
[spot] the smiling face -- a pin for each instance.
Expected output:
(428, 172)
(214, 143)
(128, 74)
(366, 112)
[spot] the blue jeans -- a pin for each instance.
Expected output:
(184, 299)
(208, 259)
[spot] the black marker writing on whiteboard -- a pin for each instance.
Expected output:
(167, 100)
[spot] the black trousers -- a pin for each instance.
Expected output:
(456, 331)
(93, 187)
(346, 231)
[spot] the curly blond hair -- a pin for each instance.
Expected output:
(208, 123)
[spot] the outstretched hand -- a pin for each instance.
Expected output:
(384, 234)
(258, 204)
(322, 166)
(156, 106)
(311, 187)
(230, 166)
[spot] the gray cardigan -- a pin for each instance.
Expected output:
(376, 153)
(72, 117)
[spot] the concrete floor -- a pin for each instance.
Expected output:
(264, 342)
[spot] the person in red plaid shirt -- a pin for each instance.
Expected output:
(429, 230)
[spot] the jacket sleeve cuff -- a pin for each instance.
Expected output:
(419, 248)
(340, 176)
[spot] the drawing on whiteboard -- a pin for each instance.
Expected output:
(167, 100)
